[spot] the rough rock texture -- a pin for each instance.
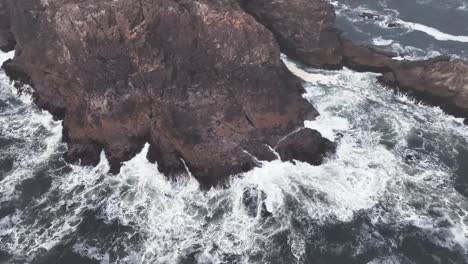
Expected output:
(200, 80)
(305, 29)
(366, 59)
(302, 146)
(7, 41)
(440, 81)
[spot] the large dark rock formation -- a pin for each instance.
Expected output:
(7, 41)
(441, 81)
(306, 31)
(201, 81)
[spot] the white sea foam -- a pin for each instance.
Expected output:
(176, 219)
(433, 32)
(379, 41)
(6, 56)
(335, 104)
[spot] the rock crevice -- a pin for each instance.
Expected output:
(200, 80)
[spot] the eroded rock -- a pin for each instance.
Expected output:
(305, 145)
(305, 29)
(7, 40)
(201, 81)
(440, 81)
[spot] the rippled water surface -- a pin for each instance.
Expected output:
(387, 196)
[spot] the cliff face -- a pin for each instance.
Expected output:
(305, 29)
(201, 81)
(7, 40)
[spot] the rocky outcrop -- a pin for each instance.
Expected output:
(365, 58)
(306, 31)
(201, 81)
(441, 81)
(302, 146)
(7, 41)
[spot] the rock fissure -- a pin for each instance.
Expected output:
(202, 81)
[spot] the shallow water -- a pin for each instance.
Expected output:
(387, 196)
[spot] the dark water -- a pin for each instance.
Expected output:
(448, 17)
(388, 196)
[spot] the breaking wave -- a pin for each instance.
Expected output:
(387, 196)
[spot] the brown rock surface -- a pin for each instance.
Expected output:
(7, 41)
(441, 81)
(305, 29)
(201, 81)
(304, 147)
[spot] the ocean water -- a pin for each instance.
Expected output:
(387, 196)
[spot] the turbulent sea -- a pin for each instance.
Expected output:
(387, 196)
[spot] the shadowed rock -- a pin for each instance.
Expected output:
(7, 40)
(305, 145)
(365, 58)
(305, 29)
(201, 81)
(440, 81)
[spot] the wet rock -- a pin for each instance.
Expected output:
(305, 145)
(7, 40)
(305, 29)
(393, 25)
(368, 15)
(254, 202)
(366, 58)
(409, 158)
(414, 139)
(201, 81)
(315, 41)
(440, 81)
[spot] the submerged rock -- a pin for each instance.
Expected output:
(201, 81)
